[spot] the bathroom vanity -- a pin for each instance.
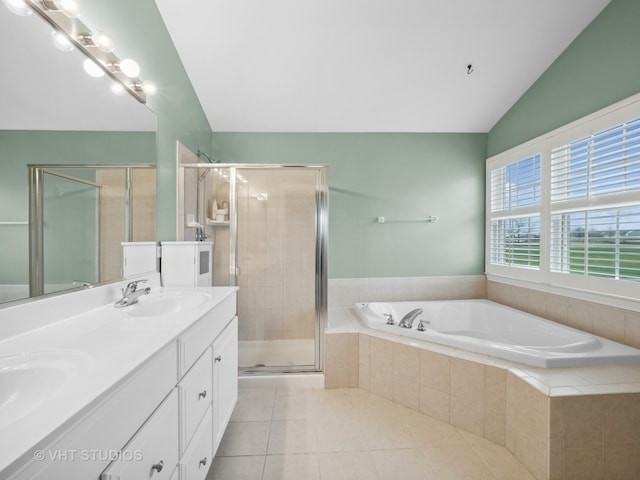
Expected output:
(144, 391)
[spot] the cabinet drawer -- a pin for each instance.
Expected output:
(196, 392)
(152, 453)
(195, 340)
(197, 459)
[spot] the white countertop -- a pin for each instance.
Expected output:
(110, 343)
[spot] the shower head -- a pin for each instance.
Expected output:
(207, 157)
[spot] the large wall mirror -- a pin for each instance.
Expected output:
(95, 150)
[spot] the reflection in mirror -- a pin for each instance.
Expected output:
(53, 113)
(78, 218)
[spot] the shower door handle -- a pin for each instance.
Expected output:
(237, 272)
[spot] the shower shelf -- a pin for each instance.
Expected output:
(214, 223)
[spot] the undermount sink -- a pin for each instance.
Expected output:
(167, 303)
(29, 380)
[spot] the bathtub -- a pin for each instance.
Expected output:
(488, 328)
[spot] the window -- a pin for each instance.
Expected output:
(595, 204)
(515, 229)
(569, 216)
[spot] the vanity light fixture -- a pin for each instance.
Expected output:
(61, 41)
(101, 40)
(130, 68)
(62, 15)
(92, 68)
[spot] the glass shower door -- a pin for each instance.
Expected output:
(268, 224)
(70, 233)
(276, 256)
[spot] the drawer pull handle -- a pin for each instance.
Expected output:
(158, 466)
(202, 394)
(203, 462)
(218, 358)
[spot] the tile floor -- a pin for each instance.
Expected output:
(311, 434)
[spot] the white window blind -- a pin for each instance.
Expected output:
(514, 238)
(515, 242)
(595, 204)
(605, 163)
(516, 184)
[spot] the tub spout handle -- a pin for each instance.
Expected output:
(421, 325)
(389, 318)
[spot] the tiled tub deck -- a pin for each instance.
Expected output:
(569, 423)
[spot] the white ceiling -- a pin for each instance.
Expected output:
(368, 65)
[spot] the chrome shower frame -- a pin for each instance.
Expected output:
(321, 248)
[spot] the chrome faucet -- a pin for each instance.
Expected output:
(407, 320)
(131, 294)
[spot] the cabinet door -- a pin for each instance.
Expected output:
(196, 391)
(152, 453)
(225, 378)
(196, 461)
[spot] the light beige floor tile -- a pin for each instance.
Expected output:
(430, 432)
(347, 466)
(292, 436)
(383, 433)
(457, 463)
(339, 434)
(407, 464)
(331, 403)
(244, 438)
(293, 407)
(237, 468)
(301, 466)
(254, 405)
(502, 462)
(366, 404)
(473, 439)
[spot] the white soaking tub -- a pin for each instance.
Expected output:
(486, 327)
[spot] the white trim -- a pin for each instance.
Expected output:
(610, 292)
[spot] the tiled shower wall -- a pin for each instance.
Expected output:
(276, 254)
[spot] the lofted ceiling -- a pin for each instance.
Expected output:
(368, 65)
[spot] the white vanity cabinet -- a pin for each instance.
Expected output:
(186, 264)
(164, 421)
(153, 450)
(225, 381)
(205, 396)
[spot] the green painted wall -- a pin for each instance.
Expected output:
(140, 33)
(599, 68)
(392, 175)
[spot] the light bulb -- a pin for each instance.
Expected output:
(19, 7)
(92, 68)
(117, 88)
(149, 88)
(130, 68)
(103, 41)
(61, 41)
(68, 7)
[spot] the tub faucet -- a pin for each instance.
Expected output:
(389, 318)
(407, 320)
(131, 294)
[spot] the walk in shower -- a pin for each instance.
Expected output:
(79, 215)
(269, 228)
